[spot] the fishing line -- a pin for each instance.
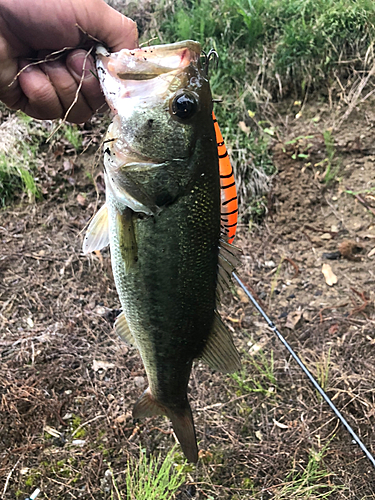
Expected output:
(307, 373)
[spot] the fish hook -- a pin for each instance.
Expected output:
(211, 56)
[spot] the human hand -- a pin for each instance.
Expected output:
(36, 28)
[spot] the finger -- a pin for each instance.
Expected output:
(117, 32)
(67, 90)
(82, 68)
(10, 91)
(40, 99)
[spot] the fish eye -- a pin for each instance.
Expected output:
(184, 105)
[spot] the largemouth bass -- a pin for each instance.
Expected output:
(162, 221)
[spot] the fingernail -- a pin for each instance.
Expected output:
(80, 62)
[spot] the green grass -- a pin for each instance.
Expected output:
(310, 482)
(256, 375)
(150, 478)
(267, 49)
(18, 163)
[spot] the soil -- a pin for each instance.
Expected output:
(68, 384)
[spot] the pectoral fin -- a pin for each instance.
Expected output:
(182, 421)
(123, 331)
(126, 237)
(97, 235)
(219, 352)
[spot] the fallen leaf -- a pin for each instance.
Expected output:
(81, 200)
(242, 296)
(333, 329)
(259, 435)
(244, 127)
(101, 365)
(307, 316)
(330, 277)
(279, 424)
(52, 431)
(371, 253)
(123, 418)
(326, 236)
(292, 319)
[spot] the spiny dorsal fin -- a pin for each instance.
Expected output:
(219, 352)
(97, 235)
(123, 331)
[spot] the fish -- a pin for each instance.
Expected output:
(162, 220)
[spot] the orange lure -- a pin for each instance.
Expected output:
(229, 204)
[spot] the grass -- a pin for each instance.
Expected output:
(267, 49)
(18, 161)
(150, 478)
(256, 375)
(21, 140)
(312, 482)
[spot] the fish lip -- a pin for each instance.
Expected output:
(123, 64)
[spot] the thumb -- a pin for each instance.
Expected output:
(113, 28)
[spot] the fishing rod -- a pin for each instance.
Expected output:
(307, 373)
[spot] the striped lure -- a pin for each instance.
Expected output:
(229, 204)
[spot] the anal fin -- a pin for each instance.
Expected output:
(123, 331)
(97, 235)
(182, 421)
(220, 352)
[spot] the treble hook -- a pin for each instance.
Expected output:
(212, 55)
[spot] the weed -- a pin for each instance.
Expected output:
(18, 161)
(73, 135)
(150, 478)
(331, 171)
(256, 375)
(322, 369)
(312, 482)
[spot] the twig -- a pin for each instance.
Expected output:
(50, 57)
(75, 97)
(8, 478)
(296, 268)
(361, 200)
(86, 423)
(356, 95)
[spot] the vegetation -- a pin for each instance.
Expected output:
(268, 49)
(151, 478)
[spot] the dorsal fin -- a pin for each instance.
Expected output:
(229, 204)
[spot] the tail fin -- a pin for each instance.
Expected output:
(182, 421)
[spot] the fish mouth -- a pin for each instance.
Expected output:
(146, 63)
(131, 75)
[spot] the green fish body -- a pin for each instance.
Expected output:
(162, 221)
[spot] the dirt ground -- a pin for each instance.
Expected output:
(67, 383)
